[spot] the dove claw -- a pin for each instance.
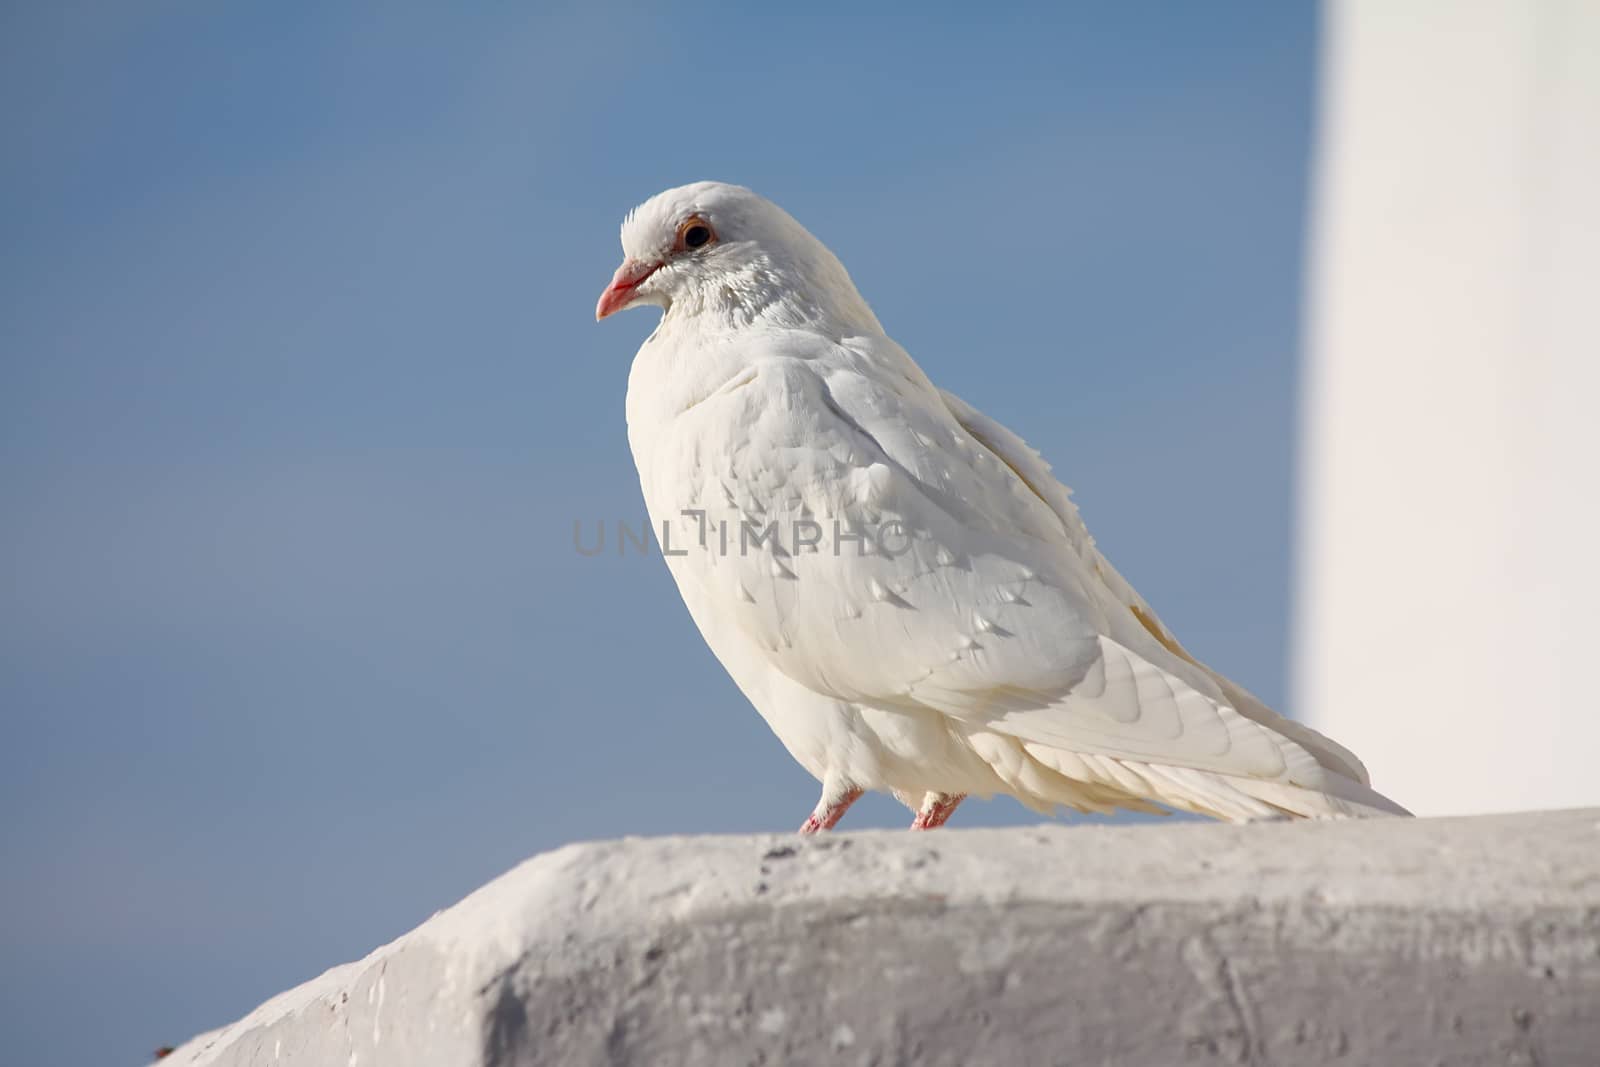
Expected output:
(936, 810)
(827, 815)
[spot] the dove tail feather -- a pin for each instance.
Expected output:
(1339, 798)
(1240, 799)
(1108, 781)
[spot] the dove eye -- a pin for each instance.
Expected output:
(695, 232)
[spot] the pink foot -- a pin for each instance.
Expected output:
(936, 810)
(830, 815)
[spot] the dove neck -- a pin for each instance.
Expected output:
(798, 292)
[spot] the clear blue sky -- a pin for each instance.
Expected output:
(301, 396)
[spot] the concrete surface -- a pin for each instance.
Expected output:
(1405, 942)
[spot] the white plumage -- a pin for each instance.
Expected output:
(897, 582)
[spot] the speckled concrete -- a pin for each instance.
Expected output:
(1438, 941)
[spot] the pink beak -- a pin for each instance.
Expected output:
(629, 276)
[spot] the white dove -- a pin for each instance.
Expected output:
(896, 582)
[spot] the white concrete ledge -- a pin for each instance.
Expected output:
(1448, 941)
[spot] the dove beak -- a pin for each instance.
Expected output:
(619, 293)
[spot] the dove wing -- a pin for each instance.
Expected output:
(1033, 470)
(980, 595)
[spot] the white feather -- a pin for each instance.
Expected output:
(987, 646)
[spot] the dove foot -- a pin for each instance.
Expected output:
(936, 810)
(828, 814)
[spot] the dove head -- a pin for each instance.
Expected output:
(720, 251)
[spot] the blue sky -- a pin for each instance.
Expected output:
(301, 395)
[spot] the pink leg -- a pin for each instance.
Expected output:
(828, 815)
(936, 810)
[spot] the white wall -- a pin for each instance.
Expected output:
(1449, 591)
